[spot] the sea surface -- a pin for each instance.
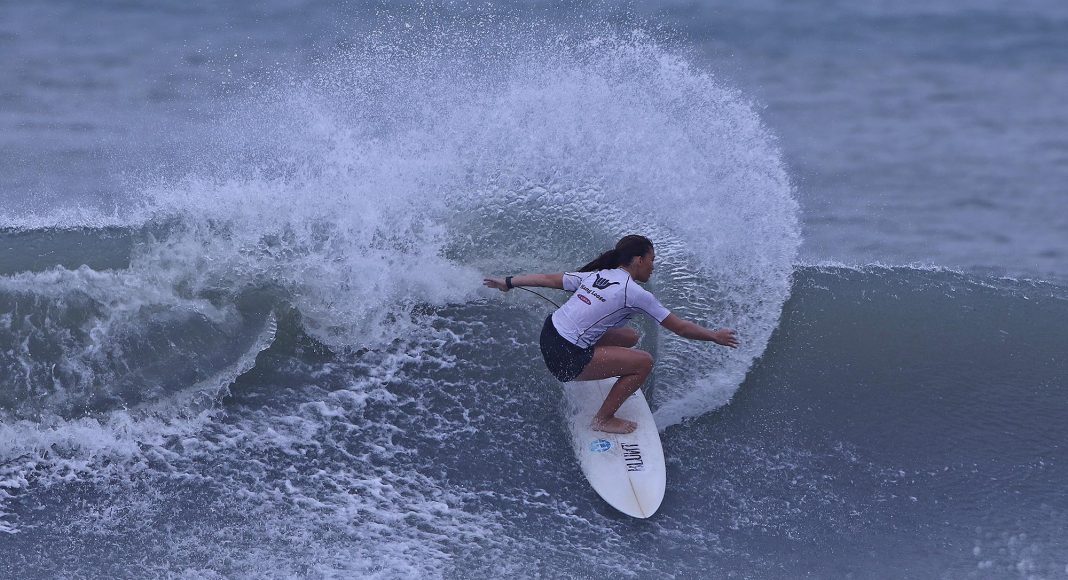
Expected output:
(243, 332)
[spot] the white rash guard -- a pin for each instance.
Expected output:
(602, 300)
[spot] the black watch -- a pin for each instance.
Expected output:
(508, 282)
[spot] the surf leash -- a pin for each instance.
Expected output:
(538, 295)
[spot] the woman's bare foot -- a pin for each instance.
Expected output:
(614, 425)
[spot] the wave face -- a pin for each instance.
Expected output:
(283, 362)
(900, 422)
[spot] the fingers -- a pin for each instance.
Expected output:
(728, 338)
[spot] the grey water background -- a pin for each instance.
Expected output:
(903, 420)
(928, 132)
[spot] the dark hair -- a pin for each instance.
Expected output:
(626, 249)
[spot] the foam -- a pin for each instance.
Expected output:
(68, 218)
(400, 171)
(368, 199)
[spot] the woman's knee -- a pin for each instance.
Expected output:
(614, 361)
(644, 361)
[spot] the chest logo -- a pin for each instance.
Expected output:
(584, 299)
(602, 283)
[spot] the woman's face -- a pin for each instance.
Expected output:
(643, 266)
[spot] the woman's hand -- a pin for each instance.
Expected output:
(725, 337)
(497, 283)
(687, 329)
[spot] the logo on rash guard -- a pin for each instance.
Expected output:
(584, 299)
(602, 283)
(586, 288)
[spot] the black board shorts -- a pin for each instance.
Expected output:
(564, 359)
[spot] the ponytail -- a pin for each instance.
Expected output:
(626, 249)
(605, 261)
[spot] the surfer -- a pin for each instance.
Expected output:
(586, 339)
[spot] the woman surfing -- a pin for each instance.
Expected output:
(586, 338)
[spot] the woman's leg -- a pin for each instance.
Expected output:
(632, 367)
(625, 337)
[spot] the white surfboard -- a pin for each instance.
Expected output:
(627, 471)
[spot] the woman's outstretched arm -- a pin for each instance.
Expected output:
(543, 280)
(687, 329)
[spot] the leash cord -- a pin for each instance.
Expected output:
(539, 296)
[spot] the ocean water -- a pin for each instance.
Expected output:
(242, 330)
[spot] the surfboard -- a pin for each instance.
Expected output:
(627, 471)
